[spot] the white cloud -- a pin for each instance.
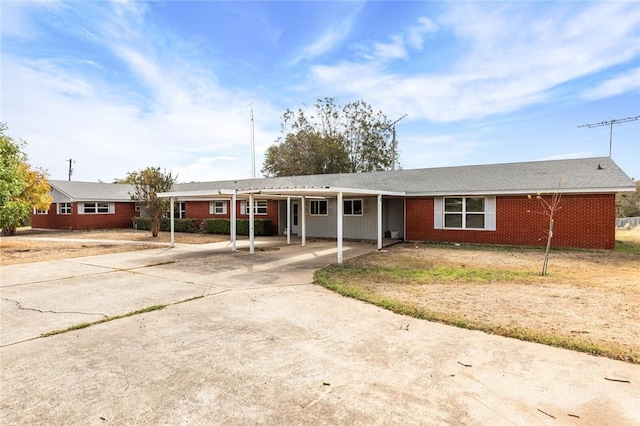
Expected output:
(416, 34)
(110, 128)
(622, 83)
(508, 56)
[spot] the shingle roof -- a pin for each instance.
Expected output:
(93, 191)
(600, 174)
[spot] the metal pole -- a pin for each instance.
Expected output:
(251, 223)
(171, 209)
(339, 230)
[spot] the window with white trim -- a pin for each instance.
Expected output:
(98, 208)
(40, 211)
(64, 208)
(260, 207)
(464, 212)
(218, 207)
(318, 208)
(352, 207)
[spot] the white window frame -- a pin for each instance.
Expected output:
(317, 210)
(352, 202)
(64, 208)
(40, 211)
(489, 213)
(218, 207)
(260, 207)
(100, 207)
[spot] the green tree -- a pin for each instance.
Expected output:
(330, 139)
(147, 184)
(21, 187)
(628, 204)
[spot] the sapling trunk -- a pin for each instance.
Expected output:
(546, 254)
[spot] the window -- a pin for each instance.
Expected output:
(39, 211)
(64, 208)
(318, 207)
(260, 207)
(464, 212)
(180, 210)
(218, 207)
(352, 208)
(98, 208)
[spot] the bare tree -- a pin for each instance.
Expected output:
(550, 207)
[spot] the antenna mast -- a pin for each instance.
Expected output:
(610, 123)
(70, 168)
(394, 143)
(253, 146)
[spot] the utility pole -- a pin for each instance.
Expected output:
(610, 123)
(394, 143)
(70, 168)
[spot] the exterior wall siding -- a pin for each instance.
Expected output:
(363, 227)
(121, 218)
(583, 221)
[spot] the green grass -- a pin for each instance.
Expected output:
(628, 241)
(103, 320)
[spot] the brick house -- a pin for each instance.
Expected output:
(483, 204)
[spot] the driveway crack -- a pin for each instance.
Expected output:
(22, 308)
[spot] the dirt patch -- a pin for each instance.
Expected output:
(592, 296)
(15, 250)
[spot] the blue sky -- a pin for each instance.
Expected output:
(118, 86)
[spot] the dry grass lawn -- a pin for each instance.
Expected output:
(16, 250)
(590, 301)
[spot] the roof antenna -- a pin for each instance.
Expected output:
(394, 143)
(610, 123)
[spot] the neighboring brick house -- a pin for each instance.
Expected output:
(484, 204)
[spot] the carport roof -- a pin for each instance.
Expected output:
(586, 175)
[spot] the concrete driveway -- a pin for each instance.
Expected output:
(264, 346)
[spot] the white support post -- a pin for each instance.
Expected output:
(288, 220)
(339, 213)
(303, 223)
(379, 221)
(233, 222)
(251, 224)
(171, 211)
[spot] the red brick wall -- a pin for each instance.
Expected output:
(122, 218)
(200, 210)
(584, 221)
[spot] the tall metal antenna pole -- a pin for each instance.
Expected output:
(610, 123)
(253, 146)
(70, 168)
(394, 143)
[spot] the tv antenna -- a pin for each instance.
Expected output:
(610, 123)
(253, 145)
(394, 143)
(70, 167)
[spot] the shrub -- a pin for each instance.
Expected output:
(180, 225)
(262, 227)
(217, 226)
(142, 223)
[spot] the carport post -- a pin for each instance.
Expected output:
(304, 224)
(171, 209)
(339, 213)
(379, 221)
(233, 222)
(251, 223)
(288, 220)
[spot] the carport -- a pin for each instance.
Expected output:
(295, 193)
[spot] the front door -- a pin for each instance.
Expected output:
(295, 220)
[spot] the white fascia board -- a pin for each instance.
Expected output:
(210, 193)
(306, 191)
(524, 192)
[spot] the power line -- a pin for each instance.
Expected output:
(610, 123)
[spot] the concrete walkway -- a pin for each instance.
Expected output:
(255, 343)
